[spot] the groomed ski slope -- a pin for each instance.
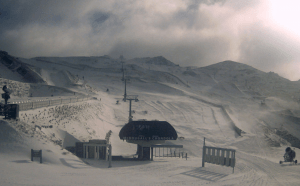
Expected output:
(193, 116)
(257, 164)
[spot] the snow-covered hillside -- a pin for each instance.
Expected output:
(231, 104)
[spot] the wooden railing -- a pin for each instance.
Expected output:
(218, 156)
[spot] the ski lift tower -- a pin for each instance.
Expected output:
(131, 98)
(125, 95)
(123, 70)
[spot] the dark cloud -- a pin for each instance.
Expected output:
(191, 32)
(18, 12)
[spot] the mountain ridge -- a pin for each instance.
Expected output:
(249, 80)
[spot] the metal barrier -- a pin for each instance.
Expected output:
(46, 103)
(36, 153)
(218, 156)
(10, 111)
(166, 151)
(96, 151)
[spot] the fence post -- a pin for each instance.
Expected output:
(109, 158)
(167, 152)
(41, 159)
(151, 153)
(203, 153)
(31, 154)
(159, 152)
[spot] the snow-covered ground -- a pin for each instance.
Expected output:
(195, 101)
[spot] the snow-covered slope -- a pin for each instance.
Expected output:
(211, 102)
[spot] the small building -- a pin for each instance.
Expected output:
(94, 149)
(147, 133)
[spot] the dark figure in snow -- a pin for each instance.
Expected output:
(5, 89)
(289, 155)
(5, 96)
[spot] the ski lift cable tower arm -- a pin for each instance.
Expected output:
(131, 98)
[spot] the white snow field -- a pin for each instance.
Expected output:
(208, 102)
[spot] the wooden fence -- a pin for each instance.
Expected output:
(218, 156)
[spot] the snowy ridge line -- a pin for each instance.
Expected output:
(66, 64)
(222, 107)
(47, 103)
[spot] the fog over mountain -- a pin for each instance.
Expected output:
(261, 33)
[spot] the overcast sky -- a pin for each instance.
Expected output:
(262, 33)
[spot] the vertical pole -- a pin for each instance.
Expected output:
(41, 159)
(233, 161)
(203, 153)
(130, 119)
(218, 157)
(151, 153)
(213, 156)
(125, 90)
(31, 154)
(109, 163)
(87, 151)
(227, 158)
(107, 154)
(222, 157)
(158, 151)
(167, 152)
(123, 71)
(83, 151)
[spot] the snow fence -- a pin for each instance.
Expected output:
(46, 103)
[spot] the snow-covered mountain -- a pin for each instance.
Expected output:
(232, 104)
